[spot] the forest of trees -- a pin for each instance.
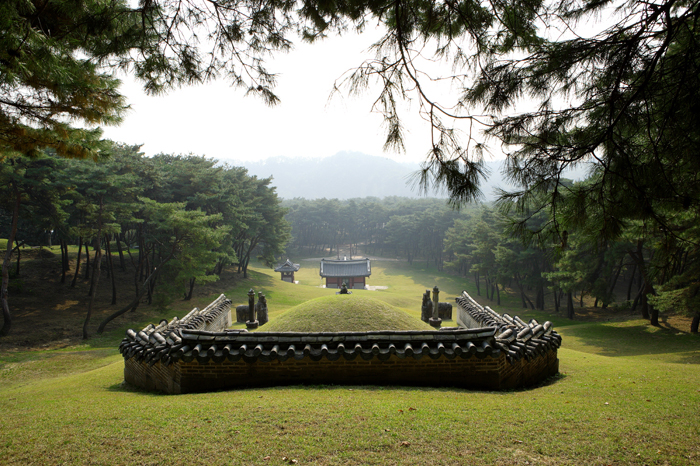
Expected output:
(622, 94)
(173, 221)
(498, 251)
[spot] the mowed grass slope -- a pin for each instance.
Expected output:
(627, 395)
(344, 313)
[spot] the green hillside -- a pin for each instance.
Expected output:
(627, 394)
(344, 313)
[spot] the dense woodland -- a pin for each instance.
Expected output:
(639, 271)
(177, 221)
(621, 94)
(172, 221)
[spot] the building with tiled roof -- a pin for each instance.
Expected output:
(287, 270)
(351, 272)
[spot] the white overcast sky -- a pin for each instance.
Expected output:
(216, 120)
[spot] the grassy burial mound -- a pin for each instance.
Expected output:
(344, 313)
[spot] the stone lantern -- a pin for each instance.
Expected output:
(251, 323)
(435, 320)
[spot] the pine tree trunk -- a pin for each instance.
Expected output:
(95, 263)
(19, 255)
(695, 323)
(95, 280)
(87, 261)
(637, 298)
(245, 264)
(7, 317)
(149, 294)
(64, 260)
(611, 290)
(143, 254)
(188, 295)
(539, 299)
(645, 302)
(122, 264)
(523, 296)
(133, 304)
(498, 295)
(110, 264)
(77, 263)
(570, 312)
(629, 286)
(654, 319)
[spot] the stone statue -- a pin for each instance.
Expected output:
(426, 309)
(343, 289)
(261, 309)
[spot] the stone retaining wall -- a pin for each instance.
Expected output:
(193, 355)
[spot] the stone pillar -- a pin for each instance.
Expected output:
(251, 323)
(435, 320)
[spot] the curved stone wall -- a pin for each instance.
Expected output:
(198, 353)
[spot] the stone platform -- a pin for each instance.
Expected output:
(198, 353)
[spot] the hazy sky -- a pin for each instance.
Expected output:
(216, 120)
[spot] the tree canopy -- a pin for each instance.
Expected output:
(176, 221)
(613, 83)
(620, 92)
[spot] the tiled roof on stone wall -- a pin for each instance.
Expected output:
(189, 339)
(233, 345)
(514, 336)
(155, 343)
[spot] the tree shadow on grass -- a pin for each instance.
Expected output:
(125, 387)
(257, 281)
(428, 389)
(634, 340)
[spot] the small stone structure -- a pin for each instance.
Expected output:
(198, 353)
(259, 309)
(445, 311)
(426, 310)
(242, 313)
(287, 270)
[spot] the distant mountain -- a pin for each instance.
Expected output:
(347, 175)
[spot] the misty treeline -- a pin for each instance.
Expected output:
(639, 272)
(171, 222)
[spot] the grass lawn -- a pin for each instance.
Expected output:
(344, 313)
(627, 394)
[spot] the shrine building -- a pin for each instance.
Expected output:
(351, 272)
(287, 270)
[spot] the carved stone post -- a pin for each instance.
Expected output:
(251, 323)
(435, 320)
